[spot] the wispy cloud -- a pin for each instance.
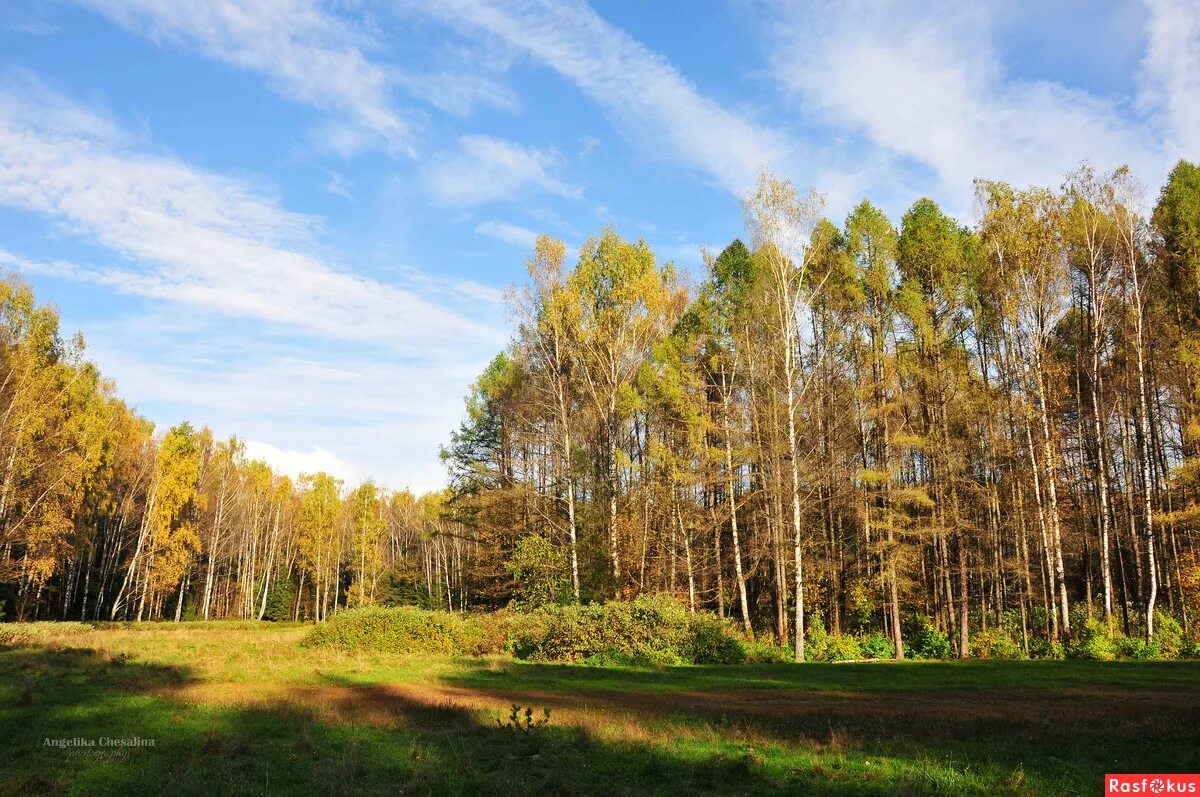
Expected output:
(509, 233)
(647, 96)
(307, 54)
(929, 85)
(1171, 79)
(485, 169)
(197, 238)
(338, 185)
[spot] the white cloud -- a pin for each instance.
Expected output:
(307, 54)
(459, 92)
(296, 463)
(486, 169)
(641, 90)
(929, 85)
(1171, 79)
(338, 185)
(198, 238)
(509, 233)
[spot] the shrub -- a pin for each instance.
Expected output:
(823, 646)
(1094, 641)
(1136, 648)
(710, 642)
(995, 643)
(878, 646)
(1040, 648)
(767, 653)
(1168, 635)
(926, 640)
(1190, 649)
(402, 629)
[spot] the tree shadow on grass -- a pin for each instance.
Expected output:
(1063, 723)
(409, 746)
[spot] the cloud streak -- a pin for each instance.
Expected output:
(647, 96)
(306, 54)
(198, 238)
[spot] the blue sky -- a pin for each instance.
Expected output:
(295, 220)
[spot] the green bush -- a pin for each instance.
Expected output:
(1136, 648)
(405, 629)
(878, 646)
(1040, 648)
(648, 629)
(767, 653)
(925, 640)
(1095, 640)
(823, 646)
(995, 643)
(1168, 635)
(710, 642)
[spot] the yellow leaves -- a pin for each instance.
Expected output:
(869, 477)
(913, 498)
(909, 440)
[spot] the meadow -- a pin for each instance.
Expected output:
(244, 708)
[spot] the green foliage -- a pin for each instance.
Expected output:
(877, 646)
(404, 629)
(768, 653)
(1168, 635)
(649, 631)
(823, 646)
(923, 640)
(995, 643)
(1094, 640)
(541, 573)
(398, 587)
(1135, 648)
(1040, 648)
(280, 600)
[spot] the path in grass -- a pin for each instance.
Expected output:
(240, 708)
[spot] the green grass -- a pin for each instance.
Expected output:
(241, 708)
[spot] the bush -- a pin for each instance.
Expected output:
(1136, 648)
(710, 642)
(767, 653)
(1168, 635)
(1046, 649)
(995, 643)
(926, 641)
(651, 628)
(823, 646)
(1094, 641)
(878, 646)
(403, 629)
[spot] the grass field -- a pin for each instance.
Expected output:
(240, 708)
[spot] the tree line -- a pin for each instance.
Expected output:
(991, 425)
(101, 518)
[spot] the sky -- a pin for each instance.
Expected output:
(295, 221)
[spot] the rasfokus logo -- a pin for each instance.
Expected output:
(1151, 784)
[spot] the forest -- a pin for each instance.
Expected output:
(994, 427)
